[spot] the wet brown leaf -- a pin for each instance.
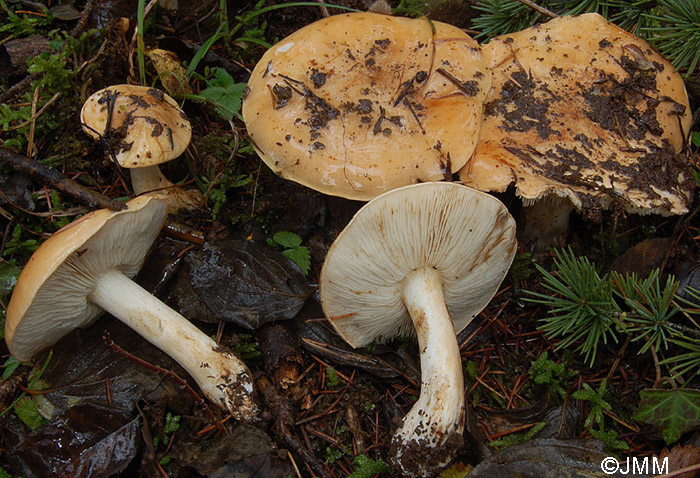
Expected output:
(242, 282)
(84, 441)
(561, 421)
(83, 367)
(643, 257)
(680, 457)
(547, 458)
(247, 452)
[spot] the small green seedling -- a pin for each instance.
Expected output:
(291, 243)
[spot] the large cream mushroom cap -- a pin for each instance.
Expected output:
(583, 109)
(356, 104)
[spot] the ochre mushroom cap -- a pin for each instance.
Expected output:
(50, 298)
(583, 109)
(147, 127)
(356, 104)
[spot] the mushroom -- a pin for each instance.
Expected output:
(588, 115)
(142, 127)
(86, 268)
(356, 104)
(423, 259)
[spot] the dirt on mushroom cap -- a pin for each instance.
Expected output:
(146, 126)
(357, 104)
(584, 109)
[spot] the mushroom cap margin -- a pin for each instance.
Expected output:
(50, 298)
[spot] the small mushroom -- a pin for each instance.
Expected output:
(142, 127)
(588, 115)
(86, 268)
(356, 104)
(423, 259)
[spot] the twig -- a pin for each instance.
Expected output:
(324, 9)
(54, 179)
(168, 373)
(84, 17)
(681, 471)
(542, 10)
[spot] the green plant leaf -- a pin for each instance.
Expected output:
(9, 273)
(366, 467)
(10, 366)
(26, 411)
(673, 412)
(224, 92)
(301, 257)
(172, 423)
(611, 440)
(287, 239)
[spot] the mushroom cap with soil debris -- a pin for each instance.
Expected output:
(423, 259)
(582, 109)
(86, 268)
(356, 104)
(142, 127)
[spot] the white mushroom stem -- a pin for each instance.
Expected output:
(150, 179)
(221, 376)
(437, 418)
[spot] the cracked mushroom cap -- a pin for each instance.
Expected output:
(585, 110)
(466, 235)
(146, 126)
(356, 104)
(50, 298)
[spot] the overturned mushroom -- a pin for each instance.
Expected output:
(586, 114)
(86, 268)
(356, 104)
(142, 127)
(423, 259)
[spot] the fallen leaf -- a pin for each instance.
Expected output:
(643, 257)
(673, 412)
(680, 457)
(247, 452)
(84, 441)
(171, 73)
(549, 458)
(83, 367)
(261, 285)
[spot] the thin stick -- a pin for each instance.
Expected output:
(294, 463)
(54, 179)
(324, 9)
(542, 10)
(681, 471)
(168, 373)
